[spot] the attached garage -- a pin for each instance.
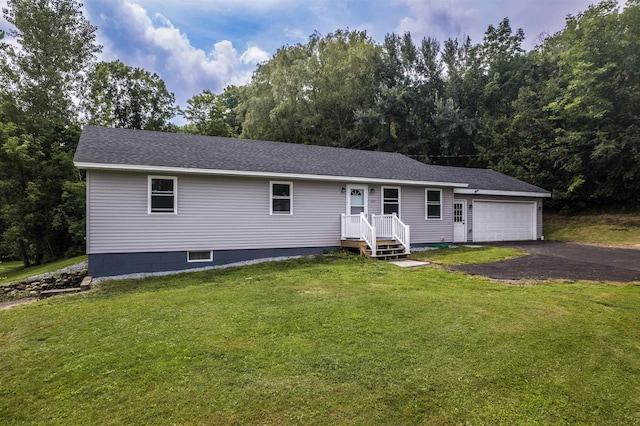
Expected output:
(504, 220)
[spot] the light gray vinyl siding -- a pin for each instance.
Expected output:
(233, 213)
(412, 212)
(470, 197)
(214, 213)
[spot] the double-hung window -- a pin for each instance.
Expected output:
(163, 194)
(390, 200)
(281, 198)
(433, 205)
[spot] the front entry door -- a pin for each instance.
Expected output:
(459, 222)
(356, 199)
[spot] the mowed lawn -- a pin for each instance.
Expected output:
(328, 340)
(14, 270)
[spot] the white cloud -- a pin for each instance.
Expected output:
(254, 55)
(163, 48)
(295, 35)
(226, 5)
(438, 18)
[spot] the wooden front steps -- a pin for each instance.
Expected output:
(386, 249)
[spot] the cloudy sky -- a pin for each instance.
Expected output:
(208, 44)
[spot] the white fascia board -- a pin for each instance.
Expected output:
(502, 193)
(185, 170)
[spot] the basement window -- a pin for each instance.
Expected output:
(200, 256)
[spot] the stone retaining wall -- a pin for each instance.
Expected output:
(33, 287)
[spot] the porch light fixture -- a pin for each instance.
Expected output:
(343, 190)
(470, 206)
(372, 190)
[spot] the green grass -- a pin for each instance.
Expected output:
(15, 271)
(621, 229)
(339, 340)
(466, 255)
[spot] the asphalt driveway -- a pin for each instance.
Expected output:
(562, 261)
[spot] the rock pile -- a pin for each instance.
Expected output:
(33, 287)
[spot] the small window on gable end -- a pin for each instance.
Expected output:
(162, 194)
(434, 203)
(281, 198)
(200, 256)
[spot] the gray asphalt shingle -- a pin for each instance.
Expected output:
(100, 145)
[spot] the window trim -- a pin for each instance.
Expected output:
(427, 204)
(210, 259)
(271, 197)
(382, 203)
(150, 179)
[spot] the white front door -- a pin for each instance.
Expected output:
(357, 199)
(459, 222)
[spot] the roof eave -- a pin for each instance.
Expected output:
(243, 173)
(501, 192)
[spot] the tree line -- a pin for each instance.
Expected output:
(563, 115)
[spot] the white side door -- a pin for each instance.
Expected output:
(459, 221)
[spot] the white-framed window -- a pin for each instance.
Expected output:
(200, 256)
(281, 198)
(433, 203)
(163, 194)
(391, 200)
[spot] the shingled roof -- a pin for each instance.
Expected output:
(108, 148)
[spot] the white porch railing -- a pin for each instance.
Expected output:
(401, 233)
(382, 226)
(368, 233)
(351, 226)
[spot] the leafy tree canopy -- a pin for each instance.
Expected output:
(128, 97)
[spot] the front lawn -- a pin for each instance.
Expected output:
(461, 255)
(340, 340)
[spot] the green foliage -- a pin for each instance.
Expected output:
(213, 115)
(323, 342)
(34, 172)
(127, 97)
(72, 215)
(312, 93)
(562, 116)
(57, 47)
(38, 133)
(408, 81)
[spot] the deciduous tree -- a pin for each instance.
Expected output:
(128, 97)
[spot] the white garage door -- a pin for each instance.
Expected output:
(503, 221)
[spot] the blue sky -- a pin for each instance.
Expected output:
(196, 44)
